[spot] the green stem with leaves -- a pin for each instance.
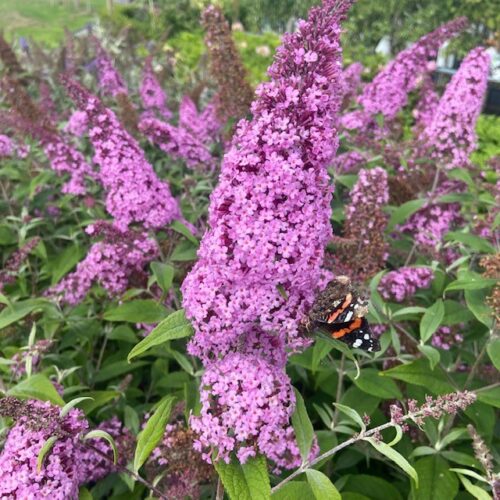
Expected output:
(310, 463)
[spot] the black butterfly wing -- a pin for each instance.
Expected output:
(356, 334)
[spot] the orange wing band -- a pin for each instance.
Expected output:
(341, 309)
(354, 325)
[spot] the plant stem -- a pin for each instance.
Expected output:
(220, 490)
(6, 198)
(478, 360)
(308, 464)
(433, 188)
(340, 384)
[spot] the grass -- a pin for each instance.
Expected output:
(45, 20)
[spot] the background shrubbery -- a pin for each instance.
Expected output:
(91, 314)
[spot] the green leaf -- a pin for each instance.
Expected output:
(64, 262)
(436, 480)
(123, 333)
(175, 326)
(185, 251)
(350, 495)
(431, 354)
(347, 180)
(476, 302)
(422, 451)
(372, 487)
(153, 431)
(37, 387)
(395, 456)
(419, 373)
(164, 274)
(116, 369)
(352, 414)
(362, 401)
(470, 473)
(490, 396)
(100, 434)
(182, 229)
(96, 399)
(137, 311)
(474, 490)
(321, 349)
(451, 437)
(249, 481)
(321, 486)
(47, 446)
(7, 235)
(337, 345)
(431, 320)
(294, 490)
(397, 437)
(408, 311)
(475, 243)
(493, 350)
(404, 211)
(68, 406)
(462, 175)
(461, 458)
(84, 494)
(455, 313)
(19, 310)
(472, 283)
(302, 426)
(372, 383)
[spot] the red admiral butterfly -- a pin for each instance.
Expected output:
(340, 312)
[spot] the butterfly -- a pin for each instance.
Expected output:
(340, 311)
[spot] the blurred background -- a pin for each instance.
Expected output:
(375, 31)
(392, 22)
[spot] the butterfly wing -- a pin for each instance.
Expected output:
(345, 310)
(356, 334)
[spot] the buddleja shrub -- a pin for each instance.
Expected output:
(163, 269)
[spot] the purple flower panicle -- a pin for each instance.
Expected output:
(68, 464)
(451, 135)
(427, 104)
(153, 97)
(60, 476)
(113, 263)
(178, 143)
(204, 125)
(429, 224)
(260, 261)
(388, 92)
(134, 192)
(401, 284)
(77, 124)
(246, 407)
(110, 81)
(63, 157)
(351, 82)
(273, 195)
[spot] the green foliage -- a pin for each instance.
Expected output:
(104, 361)
(249, 481)
(153, 431)
(488, 133)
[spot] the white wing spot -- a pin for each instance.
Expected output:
(357, 343)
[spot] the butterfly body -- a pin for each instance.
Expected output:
(340, 312)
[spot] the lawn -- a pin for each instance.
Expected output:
(45, 20)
